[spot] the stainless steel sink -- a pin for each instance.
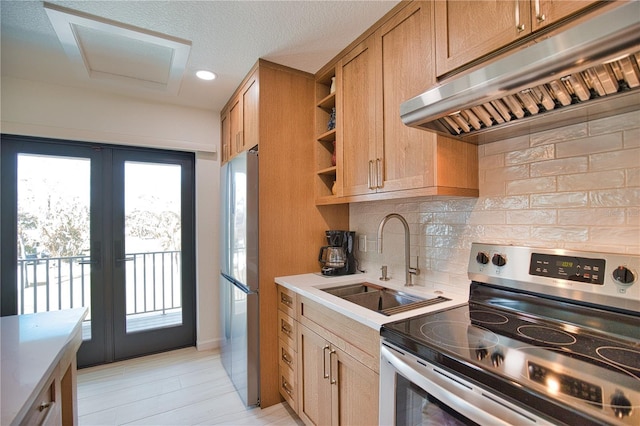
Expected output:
(381, 299)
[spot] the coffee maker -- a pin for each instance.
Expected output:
(337, 256)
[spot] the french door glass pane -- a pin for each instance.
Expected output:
(54, 262)
(153, 253)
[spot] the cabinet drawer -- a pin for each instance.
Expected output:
(287, 301)
(356, 339)
(288, 387)
(286, 356)
(44, 410)
(287, 329)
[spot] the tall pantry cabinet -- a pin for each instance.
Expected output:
(276, 112)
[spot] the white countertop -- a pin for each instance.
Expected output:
(31, 347)
(310, 285)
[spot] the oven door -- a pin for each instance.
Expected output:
(415, 392)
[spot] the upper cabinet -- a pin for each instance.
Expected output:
(377, 156)
(468, 30)
(239, 120)
(357, 111)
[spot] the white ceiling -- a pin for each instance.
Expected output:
(227, 37)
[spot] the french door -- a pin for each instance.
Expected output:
(106, 227)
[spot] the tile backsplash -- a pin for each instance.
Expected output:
(577, 187)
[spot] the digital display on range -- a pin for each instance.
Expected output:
(568, 385)
(579, 269)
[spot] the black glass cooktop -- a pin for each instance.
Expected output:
(584, 357)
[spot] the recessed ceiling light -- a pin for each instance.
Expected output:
(205, 75)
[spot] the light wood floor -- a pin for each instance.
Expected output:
(182, 387)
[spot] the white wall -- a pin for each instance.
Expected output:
(37, 109)
(576, 188)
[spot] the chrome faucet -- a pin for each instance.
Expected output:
(409, 270)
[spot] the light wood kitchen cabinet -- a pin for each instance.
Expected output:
(225, 137)
(357, 111)
(278, 115)
(381, 157)
(288, 346)
(338, 365)
(469, 30)
(336, 389)
(239, 120)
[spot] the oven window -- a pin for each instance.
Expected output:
(414, 407)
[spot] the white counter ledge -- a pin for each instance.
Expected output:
(310, 285)
(38, 365)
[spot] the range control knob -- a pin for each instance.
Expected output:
(620, 405)
(497, 358)
(482, 258)
(623, 275)
(481, 353)
(498, 260)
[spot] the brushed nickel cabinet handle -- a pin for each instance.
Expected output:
(519, 26)
(285, 328)
(324, 361)
(369, 179)
(539, 16)
(286, 358)
(334, 379)
(378, 173)
(286, 299)
(286, 387)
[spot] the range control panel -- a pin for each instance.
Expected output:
(606, 279)
(580, 269)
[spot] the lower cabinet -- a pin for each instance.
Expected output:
(328, 363)
(334, 387)
(287, 347)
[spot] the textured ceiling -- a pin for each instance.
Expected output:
(227, 38)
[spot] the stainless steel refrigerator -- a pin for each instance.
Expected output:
(239, 275)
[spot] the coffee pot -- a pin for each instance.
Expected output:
(337, 257)
(332, 257)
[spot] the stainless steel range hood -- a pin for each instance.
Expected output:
(588, 72)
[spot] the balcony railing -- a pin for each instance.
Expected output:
(53, 283)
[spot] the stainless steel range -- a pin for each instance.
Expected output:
(549, 336)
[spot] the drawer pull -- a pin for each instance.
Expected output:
(286, 387)
(286, 358)
(43, 406)
(286, 299)
(285, 328)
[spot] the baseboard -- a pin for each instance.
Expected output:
(207, 345)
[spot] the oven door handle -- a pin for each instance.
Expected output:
(451, 391)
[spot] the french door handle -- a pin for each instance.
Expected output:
(96, 255)
(126, 259)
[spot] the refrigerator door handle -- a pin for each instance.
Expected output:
(242, 287)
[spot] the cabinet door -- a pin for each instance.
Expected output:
(314, 405)
(467, 30)
(354, 391)
(235, 127)
(356, 113)
(406, 69)
(250, 112)
(225, 137)
(545, 12)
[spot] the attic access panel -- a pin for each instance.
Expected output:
(102, 49)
